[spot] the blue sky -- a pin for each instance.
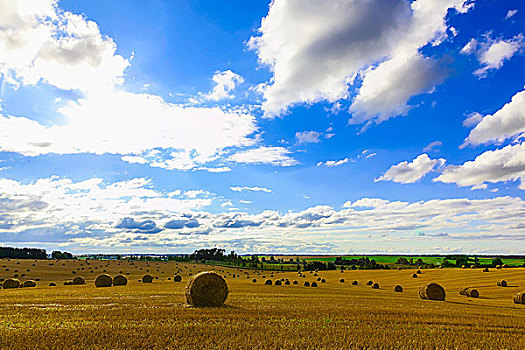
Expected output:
(286, 127)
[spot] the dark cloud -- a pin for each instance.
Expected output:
(146, 226)
(182, 223)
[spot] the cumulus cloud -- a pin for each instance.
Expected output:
(264, 155)
(505, 123)
(133, 125)
(307, 137)
(92, 215)
(406, 172)
(225, 83)
(253, 189)
(501, 165)
(492, 53)
(39, 42)
(387, 88)
(316, 49)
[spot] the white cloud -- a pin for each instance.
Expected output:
(222, 169)
(132, 125)
(333, 163)
(40, 42)
(406, 172)
(469, 47)
(472, 119)
(225, 83)
(510, 13)
(307, 137)
(253, 189)
(264, 155)
(432, 146)
(387, 88)
(505, 123)
(501, 165)
(492, 53)
(92, 215)
(315, 49)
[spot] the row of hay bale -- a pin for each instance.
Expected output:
(469, 292)
(106, 280)
(11, 283)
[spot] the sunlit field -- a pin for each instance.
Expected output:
(334, 315)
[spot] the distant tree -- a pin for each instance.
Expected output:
(57, 254)
(462, 261)
(497, 261)
(22, 253)
(402, 261)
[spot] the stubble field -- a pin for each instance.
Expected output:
(333, 315)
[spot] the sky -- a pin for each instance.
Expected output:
(267, 127)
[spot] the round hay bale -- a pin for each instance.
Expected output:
(287, 282)
(147, 279)
(254, 280)
(307, 284)
(398, 289)
(318, 279)
(418, 272)
(268, 282)
(29, 283)
(278, 283)
(323, 280)
(432, 291)
(502, 283)
(103, 281)
(440, 267)
(498, 267)
(11, 283)
(369, 283)
(177, 278)
(355, 283)
(295, 282)
(206, 289)
(472, 293)
(414, 275)
(519, 298)
(314, 284)
(342, 280)
(504, 266)
(486, 269)
(52, 284)
(375, 286)
(463, 266)
(79, 280)
(463, 291)
(120, 280)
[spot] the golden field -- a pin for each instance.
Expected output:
(256, 316)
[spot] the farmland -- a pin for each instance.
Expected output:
(334, 315)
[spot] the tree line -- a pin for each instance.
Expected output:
(31, 253)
